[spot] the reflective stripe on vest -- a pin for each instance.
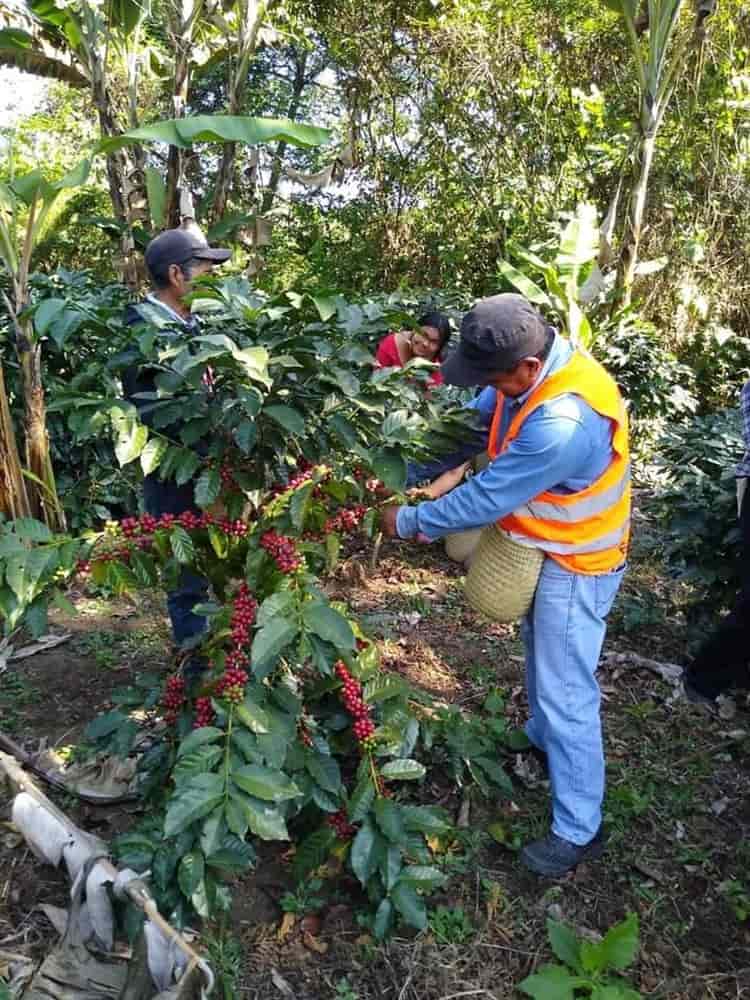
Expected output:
(580, 509)
(586, 531)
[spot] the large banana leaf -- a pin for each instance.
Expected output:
(625, 7)
(20, 49)
(183, 132)
(579, 242)
(33, 185)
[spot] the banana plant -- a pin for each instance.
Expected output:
(661, 36)
(99, 48)
(28, 206)
(570, 279)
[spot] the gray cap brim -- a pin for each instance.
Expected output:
(217, 255)
(459, 370)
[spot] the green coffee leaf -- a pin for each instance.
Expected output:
(313, 851)
(252, 716)
(190, 872)
(198, 737)
(269, 642)
(208, 487)
(287, 417)
(265, 821)
(152, 454)
(361, 799)
(403, 769)
(390, 466)
(245, 436)
(409, 905)
(192, 801)
(423, 877)
(364, 852)
(328, 624)
(389, 819)
(182, 545)
(325, 770)
(265, 783)
(383, 919)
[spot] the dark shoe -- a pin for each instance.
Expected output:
(695, 697)
(554, 856)
(696, 692)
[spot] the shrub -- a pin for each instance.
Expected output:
(695, 500)
(658, 387)
(720, 362)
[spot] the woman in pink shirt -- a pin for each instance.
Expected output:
(427, 341)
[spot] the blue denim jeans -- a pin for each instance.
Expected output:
(169, 498)
(563, 635)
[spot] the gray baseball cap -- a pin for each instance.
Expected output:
(496, 334)
(178, 246)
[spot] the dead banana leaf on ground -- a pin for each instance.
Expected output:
(76, 969)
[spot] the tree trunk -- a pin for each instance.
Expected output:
(41, 491)
(14, 501)
(247, 44)
(44, 502)
(182, 40)
(278, 158)
(120, 178)
(644, 158)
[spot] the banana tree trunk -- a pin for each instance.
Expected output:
(120, 179)
(643, 161)
(45, 503)
(14, 500)
(254, 12)
(278, 159)
(41, 490)
(182, 28)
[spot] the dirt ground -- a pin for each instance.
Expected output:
(677, 808)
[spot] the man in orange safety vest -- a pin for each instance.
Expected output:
(559, 480)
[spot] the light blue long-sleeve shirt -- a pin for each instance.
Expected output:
(563, 446)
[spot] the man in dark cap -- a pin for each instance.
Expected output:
(174, 259)
(559, 480)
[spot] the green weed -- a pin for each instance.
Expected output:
(15, 694)
(344, 990)
(585, 967)
(451, 925)
(305, 898)
(225, 955)
(738, 897)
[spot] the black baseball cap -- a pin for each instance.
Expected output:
(178, 246)
(496, 334)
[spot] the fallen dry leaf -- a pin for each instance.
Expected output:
(281, 984)
(287, 923)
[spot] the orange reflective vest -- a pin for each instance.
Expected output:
(586, 532)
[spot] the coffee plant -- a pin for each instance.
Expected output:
(693, 499)
(293, 731)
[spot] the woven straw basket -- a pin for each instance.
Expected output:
(503, 576)
(461, 545)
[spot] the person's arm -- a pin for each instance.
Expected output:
(550, 449)
(387, 355)
(445, 483)
(745, 408)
